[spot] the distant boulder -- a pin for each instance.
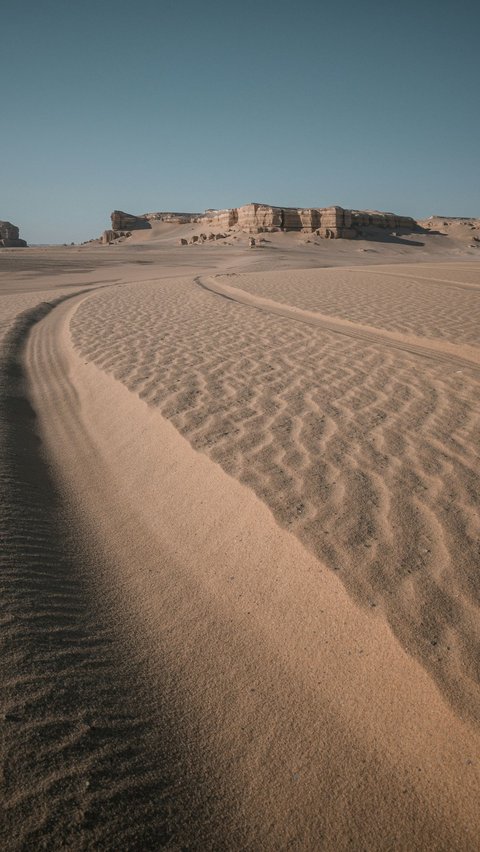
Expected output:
(9, 231)
(108, 237)
(9, 236)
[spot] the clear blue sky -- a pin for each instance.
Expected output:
(183, 105)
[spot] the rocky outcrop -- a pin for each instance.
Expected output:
(174, 218)
(9, 231)
(223, 219)
(9, 236)
(328, 222)
(256, 218)
(109, 237)
(370, 219)
(334, 223)
(127, 222)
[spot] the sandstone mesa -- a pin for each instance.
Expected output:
(327, 222)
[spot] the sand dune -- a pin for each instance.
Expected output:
(367, 453)
(248, 629)
(240, 592)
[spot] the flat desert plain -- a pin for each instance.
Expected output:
(240, 545)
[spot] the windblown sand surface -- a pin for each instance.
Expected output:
(240, 574)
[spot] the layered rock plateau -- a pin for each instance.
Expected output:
(124, 223)
(9, 236)
(328, 222)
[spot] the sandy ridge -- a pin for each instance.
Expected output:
(68, 708)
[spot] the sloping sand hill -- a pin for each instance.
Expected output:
(241, 600)
(364, 446)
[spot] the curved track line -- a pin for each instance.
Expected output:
(83, 761)
(455, 285)
(441, 352)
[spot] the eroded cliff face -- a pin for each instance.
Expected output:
(375, 219)
(329, 222)
(128, 222)
(174, 218)
(255, 218)
(10, 236)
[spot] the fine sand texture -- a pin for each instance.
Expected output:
(240, 582)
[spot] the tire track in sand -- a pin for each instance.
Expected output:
(87, 759)
(441, 351)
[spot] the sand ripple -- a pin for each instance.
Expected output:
(437, 302)
(366, 453)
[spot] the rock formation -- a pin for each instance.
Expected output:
(127, 222)
(173, 218)
(9, 236)
(109, 237)
(327, 222)
(368, 219)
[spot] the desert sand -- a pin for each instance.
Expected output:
(240, 544)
